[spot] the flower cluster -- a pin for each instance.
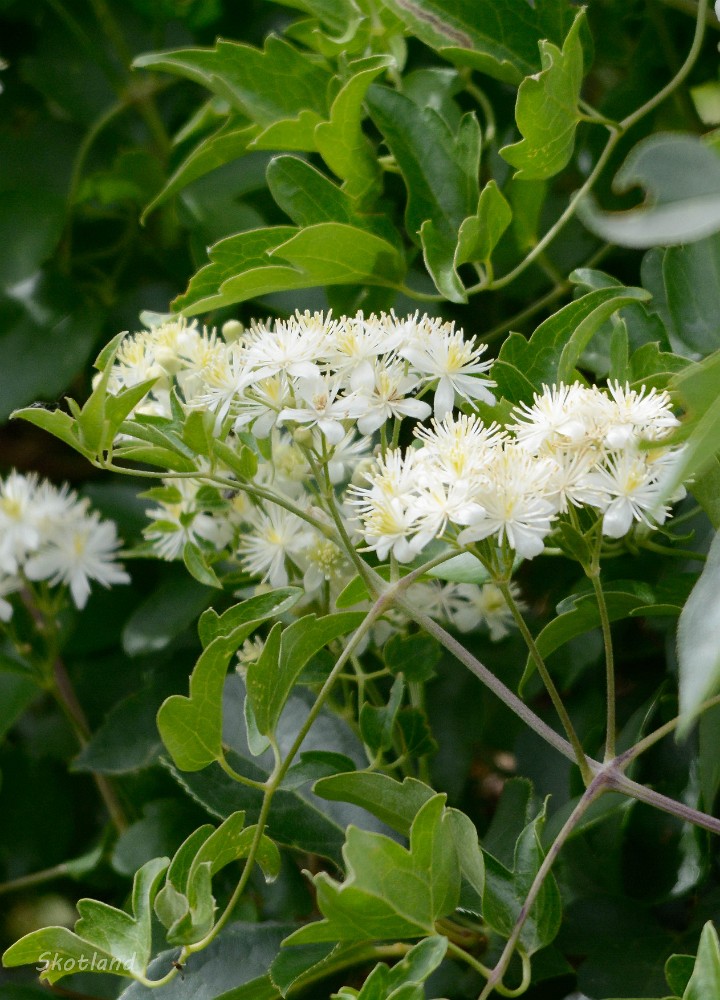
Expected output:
(575, 446)
(310, 370)
(321, 402)
(313, 391)
(49, 533)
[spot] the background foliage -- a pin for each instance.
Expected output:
(361, 155)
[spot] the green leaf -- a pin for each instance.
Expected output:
(547, 110)
(652, 367)
(395, 803)
(442, 187)
(696, 389)
(283, 258)
(584, 616)
(705, 979)
(678, 970)
(216, 971)
(198, 566)
(185, 904)
(705, 487)
(191, 728)
(290, 133)
(682, 178)
(414, 656)
(61, 425)
(197, 432)
(239, 262)
(238, 458)
(341, 141)
(31, 223)
(315, 764)
(267, 85)
(337, 254)
(309, 197)
(438, 254)
(109, 751)
(479, 234)
(293, 822)
(211, 625)
(404, 981)
(470, 857)
(414, 731)
(698, 642)
(506, 891)
(42, 947)
(16, 694)
(271, 679)
(389, 892)
(169, 610)
(497, 37)
(121, 942)
(555, 347)
(228, 143)
(335, 14)
(377, 723)
(693, 294)
(305, 194)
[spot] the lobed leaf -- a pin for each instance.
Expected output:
(547, 112)
(389, 891)
(191, 727)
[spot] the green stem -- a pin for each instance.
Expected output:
(592, 792)
(487, 109)
(593, 574)
(62, 870)
(272, 786)
(240, 778)
(539, 662)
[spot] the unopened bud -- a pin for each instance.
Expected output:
(232, 330)
(303, 435)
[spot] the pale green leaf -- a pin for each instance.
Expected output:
(389, 891)
(191, 728)
(271, 679)
(705, 979)
(698, 642)
(682, 178)
(335, 253)
(395, 803)
(479, 234)
(341, 141)
(547, 111)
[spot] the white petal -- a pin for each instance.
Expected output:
(618, 518)
(444, 398)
